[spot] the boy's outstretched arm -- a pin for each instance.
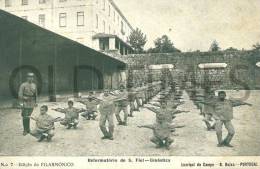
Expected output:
(112, 93)
(180, 111)
(81, 101)
(156, 100)
(156, 104)
(236, 103)
(59, 110)
(146, 126)
(57, 119)
(81, 110)
(206, 103)
(177, 126)
(152, 109)
(33, 118)
(178, 98)
(180, 103)
(120, 98)
(97, 99)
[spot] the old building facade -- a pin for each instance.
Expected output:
(60, 65)
(98, 24)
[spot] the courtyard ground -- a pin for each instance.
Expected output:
(192, 140)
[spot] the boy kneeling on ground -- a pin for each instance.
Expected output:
(44, 125)
(71, 115)
(161, 132)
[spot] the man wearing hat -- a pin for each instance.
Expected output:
(28, 96)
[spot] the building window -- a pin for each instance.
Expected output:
(63, 19)
(24, 17)
(8, 3)
(122, 28)
(123, 31)
(42, 1)
(97, 21)
(114, 16)
(42, 20)
(24, 2)
(80, 18)
(104, 27)
(104, 5)
(109, 10)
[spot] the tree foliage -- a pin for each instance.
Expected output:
(231, 49)
(214, 47)
(137, 40)
(163, 45)
(256, 46)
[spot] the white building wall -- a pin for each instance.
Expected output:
(113, 22)
(83, 34)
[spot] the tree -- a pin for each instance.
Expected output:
(231, 49)
(256, 46)
(214, 46)
(163, 45)
(137, 40)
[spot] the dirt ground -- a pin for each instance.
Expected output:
(192, 140)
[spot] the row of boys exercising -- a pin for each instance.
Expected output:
(165, 109)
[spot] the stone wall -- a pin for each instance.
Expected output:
(241, 71)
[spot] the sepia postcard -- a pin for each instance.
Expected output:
(171, 84)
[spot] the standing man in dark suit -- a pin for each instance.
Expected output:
(28, 96)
